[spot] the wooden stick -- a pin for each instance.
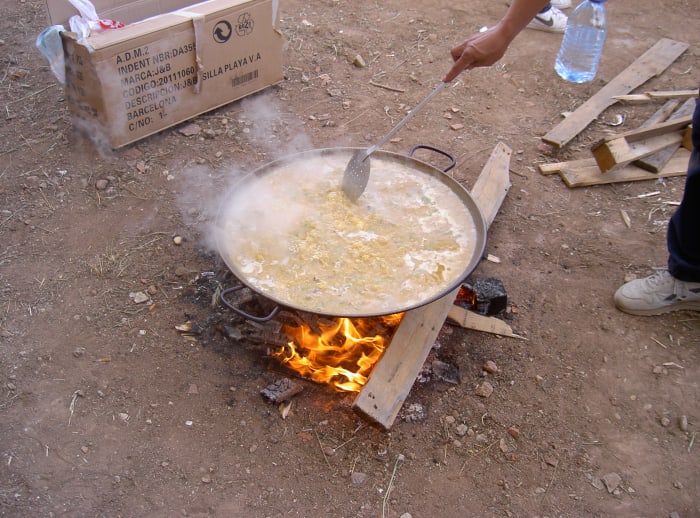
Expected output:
(651, 96)
(470, 320)
(387, 87)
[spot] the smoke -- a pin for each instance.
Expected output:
(267, 126)
(261, 124)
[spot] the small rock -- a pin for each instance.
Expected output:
(123, 416)
(190, 130)
(461, 430)
(101, 184)
(450, 419)
(11, 386)
(206, 479)
(612, 481)
(683, 423)
(665, 421)
(415, 413)
(84, 449)
(193, 389)
(490, 367)
(359, 61)
(514, 432)
(406, 515)
(138, 297)
(456, 127)
(540, 490)
(597, 483)
(484, 389)
(79, 351)
(358, 477)
(551, 460)
(178, 240)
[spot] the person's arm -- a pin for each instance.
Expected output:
(485, 48)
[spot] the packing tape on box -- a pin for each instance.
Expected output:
(198, 26)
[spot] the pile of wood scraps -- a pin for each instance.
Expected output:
(659, 148)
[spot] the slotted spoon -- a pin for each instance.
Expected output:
(357, 171)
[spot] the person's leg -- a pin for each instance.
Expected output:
(678, 287)
(684, 228)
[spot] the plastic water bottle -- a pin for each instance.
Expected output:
(579, 54)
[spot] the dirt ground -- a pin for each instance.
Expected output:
(107, 410)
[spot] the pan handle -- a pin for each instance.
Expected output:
(452, 159)
(242, 313)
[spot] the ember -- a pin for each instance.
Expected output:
(341, 352)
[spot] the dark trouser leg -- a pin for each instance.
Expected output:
(684, 228)
(546, 8)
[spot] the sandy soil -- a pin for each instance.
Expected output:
(107, 410)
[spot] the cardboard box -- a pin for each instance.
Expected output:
(171, 62)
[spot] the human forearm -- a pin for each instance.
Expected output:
(484, 49)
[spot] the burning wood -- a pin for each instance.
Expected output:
(340, 352)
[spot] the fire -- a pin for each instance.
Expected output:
(344, 352)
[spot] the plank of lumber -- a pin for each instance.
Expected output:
(556, 167)
(688, 138)
(617, 153)
(658, 160)
(588, 176)
(653, 130)
(652, 63)
(391, 380)
(470, 320)
(650, 96)
(492, 185)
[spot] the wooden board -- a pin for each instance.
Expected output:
(650, 96)
(493, 183)
(471, 320)
(688, 138)
(587, 176)
(652, 63)
(556, 167)
(658, 160)
(617, 153)
(391, 380)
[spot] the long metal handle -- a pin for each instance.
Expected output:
(408, 117)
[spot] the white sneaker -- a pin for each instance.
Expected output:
(561, 4)
(657, 294)
(550, 21)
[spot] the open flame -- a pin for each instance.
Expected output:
(343, 351)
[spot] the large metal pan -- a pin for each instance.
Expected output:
(287, 231)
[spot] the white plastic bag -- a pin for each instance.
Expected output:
(49, 40)
(50, 45)
(88, 20)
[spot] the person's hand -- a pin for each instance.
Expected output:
(480, 50)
